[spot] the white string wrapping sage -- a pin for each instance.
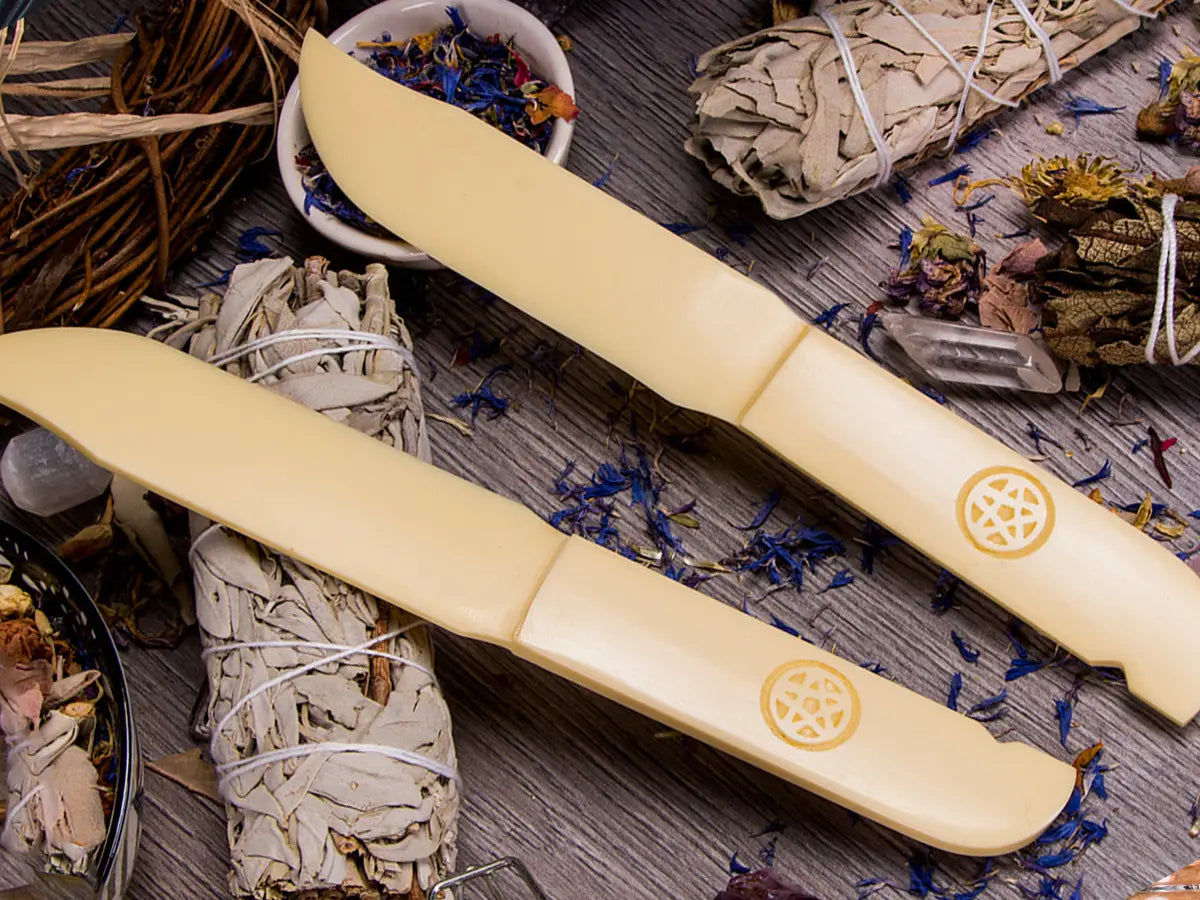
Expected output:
(1164, 298)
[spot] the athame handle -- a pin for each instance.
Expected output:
(787, 706)
(486, 567)
(708, 338)
(1030, 541)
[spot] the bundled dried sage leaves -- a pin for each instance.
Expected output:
(1099, 288)
(776, 119)
(344, 824)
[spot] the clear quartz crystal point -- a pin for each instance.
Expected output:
(967, 354)
(44, 475)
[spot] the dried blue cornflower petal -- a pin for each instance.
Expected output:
(827, 317)
(1022, 666)
(1064, 711)
(681, 228)
(1082, 106)
(945, 593)
(1105, 471)
(1038, 436)
(875, 541)
(903, 188)
(221, 279)
(1019, 233)
(872, 666)
(1139, 444)
(933, 394)
(1048, 889)
(1077, 894)
(1156, 509)
(784, 626)
(250, 246)
(988, 704)
(764, 511)
(921, 868)
(483, 397)
(784, 555)
(973, 139)
(1091, 832)
(1073, 803)
(956, 686)
(1061, 832)
(1164, 76)
(972, 223)
(968, 653)
(905, 244)
(1016, 638)
(952, 175)
(607, 174)
(1053, 860)
(736, 866)
(978, 204)
(840, 580)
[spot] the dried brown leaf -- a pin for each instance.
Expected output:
(88, 542)
(189, 769)
(1004, 305)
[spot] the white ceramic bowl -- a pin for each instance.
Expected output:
(402, 19)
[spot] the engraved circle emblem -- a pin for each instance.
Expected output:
(1005, 512)
(810, 705)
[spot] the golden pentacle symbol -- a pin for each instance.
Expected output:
(1005, 512)
(810, 705)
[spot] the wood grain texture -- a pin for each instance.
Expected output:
(595, 798)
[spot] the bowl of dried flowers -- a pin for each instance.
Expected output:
(72, 768)
(490, 57)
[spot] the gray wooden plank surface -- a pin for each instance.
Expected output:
(596, 799)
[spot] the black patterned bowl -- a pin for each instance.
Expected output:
(73, 612)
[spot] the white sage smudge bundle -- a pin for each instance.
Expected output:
(780, 114)
(330, 733)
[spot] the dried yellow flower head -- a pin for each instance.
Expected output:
(1086, 182)
(79, 709)
(14, 601)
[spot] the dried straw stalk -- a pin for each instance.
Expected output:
(191, 97)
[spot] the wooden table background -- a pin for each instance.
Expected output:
(597, 800)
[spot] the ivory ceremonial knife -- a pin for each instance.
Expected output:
(487, 568)
(706, 337)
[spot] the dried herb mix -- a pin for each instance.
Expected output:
(487, 76)
(940, 271)
(58, 727)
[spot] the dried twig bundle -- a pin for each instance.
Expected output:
(303, 821)
(190, 99)
(776, 117)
